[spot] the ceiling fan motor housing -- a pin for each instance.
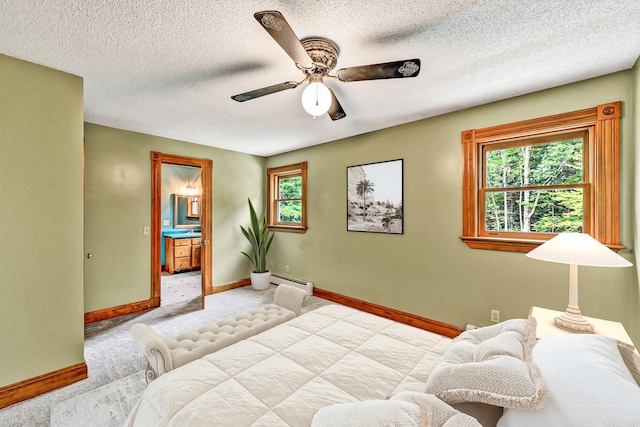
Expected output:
(323, 52)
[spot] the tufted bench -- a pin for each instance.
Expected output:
(164, 355)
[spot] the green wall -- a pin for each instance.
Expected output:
(41, 309)
(634, 289)
(428, 270)
(118, 207)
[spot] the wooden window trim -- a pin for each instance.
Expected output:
(273, 174)
(603, 166)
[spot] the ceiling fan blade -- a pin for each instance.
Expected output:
(335, 111)
(279, 29)
(264, 91)
(387, 70)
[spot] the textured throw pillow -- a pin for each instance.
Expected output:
(588, 382)
(631, 359)
(439, 413)
(491, 365)
(487, 415)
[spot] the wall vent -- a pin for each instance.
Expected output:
(277, 279)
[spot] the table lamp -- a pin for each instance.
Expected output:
(576, 249)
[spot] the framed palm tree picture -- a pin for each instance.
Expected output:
(374, 197)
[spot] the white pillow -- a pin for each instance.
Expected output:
(491, 365)
(406, 409)
(370, 413)
(588, 383)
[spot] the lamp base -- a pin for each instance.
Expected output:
(573, 321)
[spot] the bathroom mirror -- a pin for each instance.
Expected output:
(186, 211)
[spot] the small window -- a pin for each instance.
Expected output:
(525, 182)
(193, 207)
(287, 197)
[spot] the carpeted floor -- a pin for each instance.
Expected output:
(116, 364)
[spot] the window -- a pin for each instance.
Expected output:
(535, 185)
(287, 190)
(525, 182)
(193, 207)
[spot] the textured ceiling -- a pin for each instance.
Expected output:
(169, 67)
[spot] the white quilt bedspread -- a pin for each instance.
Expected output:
(282, 376)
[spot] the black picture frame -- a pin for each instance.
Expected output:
(376, 213)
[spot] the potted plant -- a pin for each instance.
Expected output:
(260, 237)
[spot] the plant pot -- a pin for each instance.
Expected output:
(260, 281)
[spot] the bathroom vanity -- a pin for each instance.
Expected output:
(182, 253)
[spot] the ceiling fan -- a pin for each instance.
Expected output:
(316, 57)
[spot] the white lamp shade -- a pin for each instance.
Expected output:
(316, 99)
(578, 249)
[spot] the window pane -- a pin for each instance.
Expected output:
(541, 211)
(290, 187)
(290, 211)
(536, 164)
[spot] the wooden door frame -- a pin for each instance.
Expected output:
(206, 166)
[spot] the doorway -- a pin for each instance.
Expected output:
(180, 247)
(201, 244)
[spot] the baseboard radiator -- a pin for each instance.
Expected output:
(277, 279)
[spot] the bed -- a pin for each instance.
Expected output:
(333, 354)
(339, 366)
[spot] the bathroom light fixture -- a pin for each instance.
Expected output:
(576, 249)
(189, 190)
(316, 98)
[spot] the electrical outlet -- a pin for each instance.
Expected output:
(471, 327)
(286, 268)
(495, 316)
(165, 222)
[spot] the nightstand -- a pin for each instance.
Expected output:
(544, 318)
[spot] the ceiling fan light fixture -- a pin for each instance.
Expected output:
(316, 98)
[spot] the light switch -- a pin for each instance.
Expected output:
(165, 222)
(145, 230)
